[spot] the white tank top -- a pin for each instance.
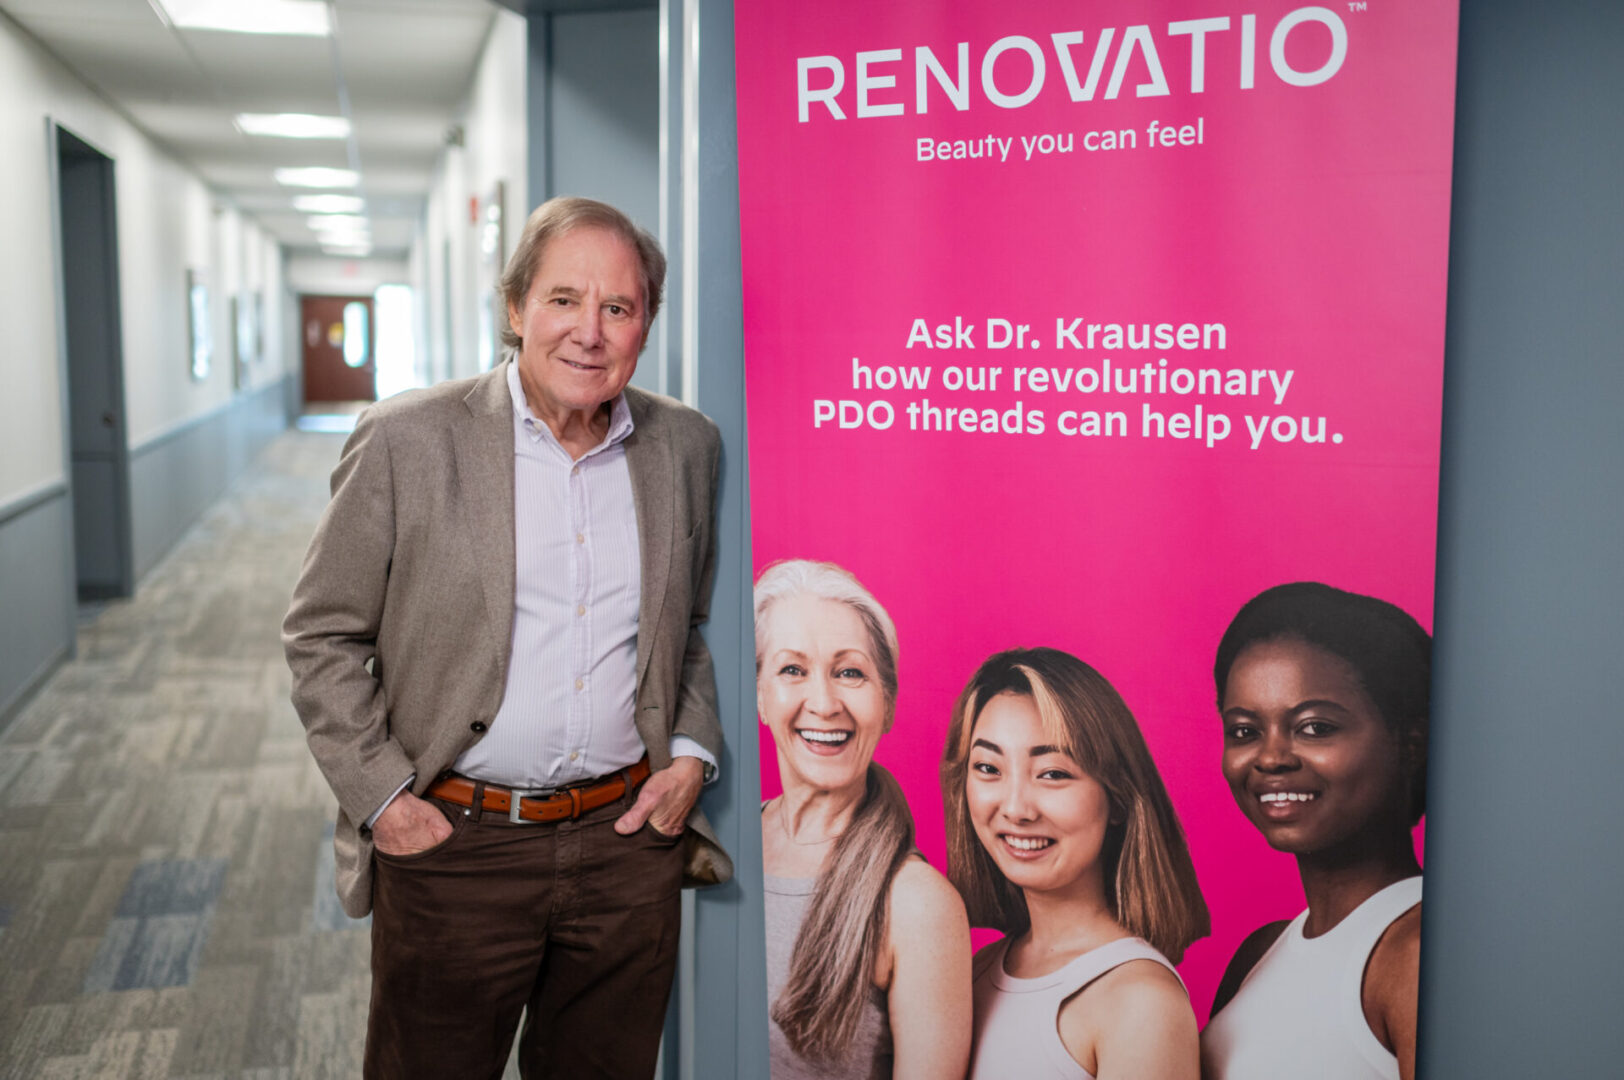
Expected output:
(1017, 1033)
(1300, 1011)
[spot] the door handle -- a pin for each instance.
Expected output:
(109, 420)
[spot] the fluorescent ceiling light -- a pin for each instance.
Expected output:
(293, 125)
(329, 204)
(344, 239)
(327, 223)
(356, 250)
(318, 177)
(307, 18)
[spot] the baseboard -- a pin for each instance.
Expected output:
(21, 696)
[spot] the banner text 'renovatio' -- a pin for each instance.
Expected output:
(876, 80)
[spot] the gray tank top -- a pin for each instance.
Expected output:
(870, 1054)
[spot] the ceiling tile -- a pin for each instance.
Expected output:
(407, 60)
(408, 66)
(257, 72)
(124, 60)
(430, 7)
(103, 11)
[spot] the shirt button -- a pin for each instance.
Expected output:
(579, 683)
(574, 755)
(580, 538)
(576, 471)
(478, 726)
(580, 609)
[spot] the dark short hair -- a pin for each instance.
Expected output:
(1389, 652)
(553, 219)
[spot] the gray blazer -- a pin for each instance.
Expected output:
(400, 626)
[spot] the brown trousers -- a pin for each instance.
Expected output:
(571, 925)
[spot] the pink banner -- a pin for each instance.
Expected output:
(1079, 326)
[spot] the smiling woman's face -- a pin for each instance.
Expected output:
(1308, 757)
(1039, 815)
(819, 693)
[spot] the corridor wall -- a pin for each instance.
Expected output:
(1522, 959)
(589, 80)
(604, 111)
(447, 270)
(186, 438)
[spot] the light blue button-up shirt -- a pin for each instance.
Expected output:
(567, 708)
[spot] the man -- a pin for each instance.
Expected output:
(495, 638)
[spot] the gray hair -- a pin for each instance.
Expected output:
(553, 219)
(826, 581)
(831, 969)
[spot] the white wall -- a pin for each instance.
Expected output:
(493, 150)
(168, 221)
(248, 261)
(262, 267)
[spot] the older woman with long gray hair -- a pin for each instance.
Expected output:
(868, 947)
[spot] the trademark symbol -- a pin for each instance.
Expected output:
(1358, 5)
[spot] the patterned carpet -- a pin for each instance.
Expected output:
(166, 902)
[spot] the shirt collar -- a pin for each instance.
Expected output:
(620, 414)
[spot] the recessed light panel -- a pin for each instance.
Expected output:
(318, 177)
(306, 18)
(293, 125)
(337, 223)
(352, 250)
(329, 204)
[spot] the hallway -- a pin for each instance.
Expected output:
(166, 899)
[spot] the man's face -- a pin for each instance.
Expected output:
(582, 323)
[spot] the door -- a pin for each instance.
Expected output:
(99, 449)
(338, 336)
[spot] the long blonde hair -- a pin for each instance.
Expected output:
(831, 969)
(1150, 881)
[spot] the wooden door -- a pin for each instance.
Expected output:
(338, 345)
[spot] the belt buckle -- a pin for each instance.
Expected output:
(514, 797)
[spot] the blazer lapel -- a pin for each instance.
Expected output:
(484, 453)
(648, 458)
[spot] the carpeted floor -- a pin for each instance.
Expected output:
(166, 904)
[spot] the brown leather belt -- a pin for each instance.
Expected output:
(561, 804)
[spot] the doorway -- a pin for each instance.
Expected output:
(98, 447)
(338, 338)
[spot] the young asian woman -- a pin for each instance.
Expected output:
(1062, 835)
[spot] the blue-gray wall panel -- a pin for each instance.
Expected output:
(604, 115)
(98, 553)
(174, 478)
(1523, 962)
(731, 1013)
(36, 624)
(594, 118)
(538, 96)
